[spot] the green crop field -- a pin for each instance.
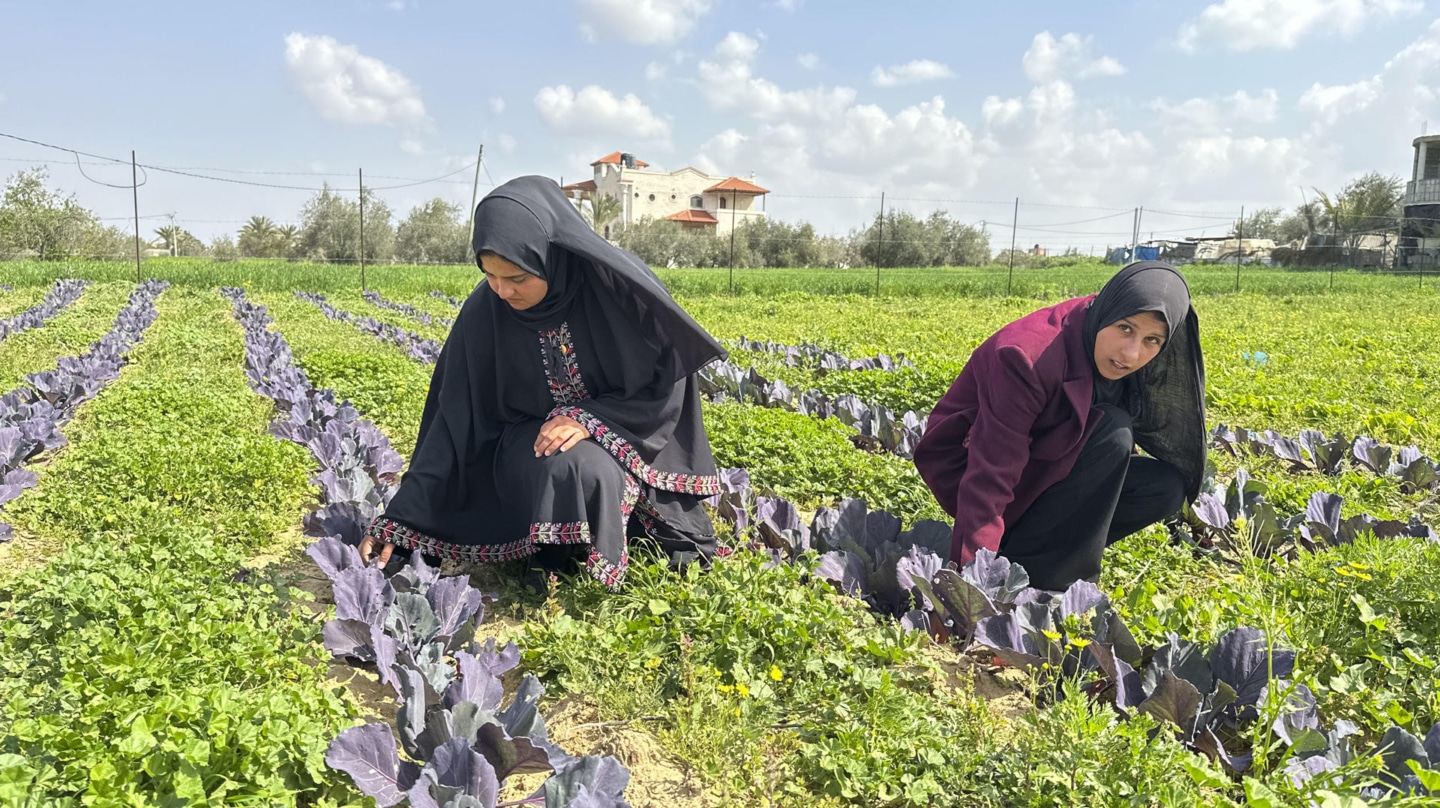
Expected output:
(161, 624)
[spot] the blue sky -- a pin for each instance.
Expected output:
(1082, 110)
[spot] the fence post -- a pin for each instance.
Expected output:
(135, 198)
(363, 287)
(1014, 234)
(733, 195)
(880, 246)
(1239, 246)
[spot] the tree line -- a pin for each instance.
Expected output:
(37, 222)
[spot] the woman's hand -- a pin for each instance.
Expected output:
(369, 547)
(559, 434)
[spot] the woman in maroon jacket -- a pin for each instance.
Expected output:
(1033, 449)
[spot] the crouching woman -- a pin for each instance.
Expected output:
(1033, 450)
(563, 416)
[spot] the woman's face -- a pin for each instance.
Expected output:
(511, 283)
(1127, 345)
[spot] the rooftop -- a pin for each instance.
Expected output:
(613, 158)
(693, 217)
(737, 185)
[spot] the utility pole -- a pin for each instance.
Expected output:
(880, 246)
(1014, 233)
(174, 238)
(734, 195)
(474, 194)
(1239, 246)
(135, 198)
(362, 230)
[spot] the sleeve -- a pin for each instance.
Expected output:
(1010, 400)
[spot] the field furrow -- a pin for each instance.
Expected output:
(70, 333)
(142, 664)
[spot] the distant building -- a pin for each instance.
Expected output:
(1420, 236)
(698, 201)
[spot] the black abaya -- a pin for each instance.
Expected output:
(606, 347)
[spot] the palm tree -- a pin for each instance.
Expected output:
(256, 237)
(170, 238)
(604, 210)
(285, 238)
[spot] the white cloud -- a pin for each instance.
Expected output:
(809, 61)
(345, 85)
(1210, 114)
(655, 71)
(729, 83)
(1243, 25)
(1329, 104)
(497, 105)
(820, 136)
(910, 73)
(1368, 124)
(595, 110)
(1068, 58)
(507, 144)
(646, 22)
(789, 5)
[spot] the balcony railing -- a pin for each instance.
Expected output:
(1422, 192)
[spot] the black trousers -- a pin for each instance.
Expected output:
(1110, 494)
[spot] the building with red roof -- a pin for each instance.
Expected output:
(698, 201)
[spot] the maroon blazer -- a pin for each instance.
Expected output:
(1011, 426)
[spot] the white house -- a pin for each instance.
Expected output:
(697, 200)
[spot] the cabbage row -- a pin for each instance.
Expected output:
(415, 627)
(1211, 699)
(1311, 450)
(61, 296)
(422, 317)
(425, 350)
(808, 355)
(31, 416)
(454, 301)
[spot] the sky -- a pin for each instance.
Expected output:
(1083, 111)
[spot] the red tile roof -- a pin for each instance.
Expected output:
(738, 185)
(693, 217)
(587, 185)
(613, 158)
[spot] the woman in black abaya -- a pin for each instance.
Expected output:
(563, 416)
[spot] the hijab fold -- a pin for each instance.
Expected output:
(1166, 398)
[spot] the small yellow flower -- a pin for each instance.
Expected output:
(775, 673)
(726, 688)
(744, 691)
(736, 713)
(652, 663)
(1079, 642)
(1051, 634)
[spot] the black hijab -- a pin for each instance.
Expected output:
(529, 222)
(1166, 398)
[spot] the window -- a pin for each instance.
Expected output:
(697, 202)
(722, 203)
